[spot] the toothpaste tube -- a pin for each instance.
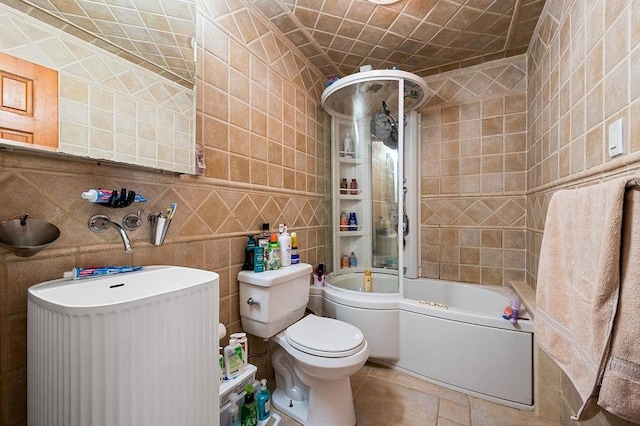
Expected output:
(103, 196)
(79, 273)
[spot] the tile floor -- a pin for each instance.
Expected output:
(384, 396)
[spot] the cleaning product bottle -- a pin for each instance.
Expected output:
(343, 186)
(249, 255)
(233, 359)
(295, 257)
(368, 281)
(285, 245)
(249, 411)
(234, 411)
(264, 401)
(273, 254)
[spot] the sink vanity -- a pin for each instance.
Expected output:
(128, 349)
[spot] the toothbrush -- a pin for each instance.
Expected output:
(173, 208)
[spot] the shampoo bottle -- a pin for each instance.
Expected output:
(285, 245)
(368, 281)
(249, 412)
(353, 260)
(233, 359)
(347, 145)
(264, 401)
(234, 411)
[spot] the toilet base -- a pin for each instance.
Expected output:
(298, 409)
(332, 404)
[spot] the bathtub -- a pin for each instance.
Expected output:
(447, 333)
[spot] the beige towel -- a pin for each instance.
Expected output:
(620, 390)
(578, 281)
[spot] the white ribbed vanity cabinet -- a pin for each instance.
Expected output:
(350, 164)
(135, 349)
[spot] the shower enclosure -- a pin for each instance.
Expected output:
(376, 172)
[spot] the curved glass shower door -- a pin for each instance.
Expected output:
(368, 121)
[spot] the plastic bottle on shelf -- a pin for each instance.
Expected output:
(264, 401)
(353, 222)
(233, 359)
(344, 221)
(241, 339)
(354, 187)
(249, 411)
(234, 411)
(347, 145)
(344, 186)
(344, 261)
(353, 260)
(284, 240)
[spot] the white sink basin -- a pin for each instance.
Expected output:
(121, 288)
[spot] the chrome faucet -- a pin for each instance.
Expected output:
(100, 223)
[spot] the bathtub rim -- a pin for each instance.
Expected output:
(386, 301)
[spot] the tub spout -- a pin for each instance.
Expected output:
(100, 223)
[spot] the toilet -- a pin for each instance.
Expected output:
(316, 356)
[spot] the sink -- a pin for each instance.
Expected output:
(104, 291)
(24, 238)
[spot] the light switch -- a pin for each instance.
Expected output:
(616, 144)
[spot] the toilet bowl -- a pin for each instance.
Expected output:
(315, 357)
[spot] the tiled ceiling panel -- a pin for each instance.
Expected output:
(156, 34)
(422, 36)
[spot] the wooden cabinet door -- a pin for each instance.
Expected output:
(28, 102)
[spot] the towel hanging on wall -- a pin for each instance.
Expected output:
(578, 290)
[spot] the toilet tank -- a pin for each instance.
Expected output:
(271, 301)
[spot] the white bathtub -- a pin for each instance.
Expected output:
(466, 346)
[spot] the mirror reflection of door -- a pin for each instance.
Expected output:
(28, 102)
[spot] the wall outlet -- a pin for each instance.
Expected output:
(616, 142)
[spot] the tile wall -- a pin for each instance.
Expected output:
(267, 158)
(583, 73)
(473, 157)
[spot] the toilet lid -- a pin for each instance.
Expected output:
(325, 337)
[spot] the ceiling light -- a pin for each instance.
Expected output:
(383, 1)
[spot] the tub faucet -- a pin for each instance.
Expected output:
(100, 223)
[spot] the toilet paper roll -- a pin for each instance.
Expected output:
(222, 331)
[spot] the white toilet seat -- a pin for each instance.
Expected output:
(325, 337)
